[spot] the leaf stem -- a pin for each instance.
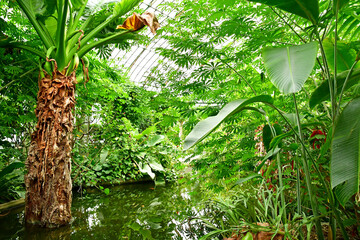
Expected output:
(237, 73)
(313, 201)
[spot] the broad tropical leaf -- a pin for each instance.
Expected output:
(205, 127)
(308, 9)
(322, 92)
(345, 157)
(289, 67)
(156, 166)
(346, 55)
(145, 168)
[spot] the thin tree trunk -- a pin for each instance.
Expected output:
(48, 181)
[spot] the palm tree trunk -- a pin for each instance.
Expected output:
(48, 181)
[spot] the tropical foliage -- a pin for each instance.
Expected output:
(263, 96)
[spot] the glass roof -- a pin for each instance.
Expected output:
(141, 58)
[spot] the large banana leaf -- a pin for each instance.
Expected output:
(308, 9)
(289, 67)
(345, 157)
(205, 127)
(322, 92)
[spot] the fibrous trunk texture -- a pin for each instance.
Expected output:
(48, 181)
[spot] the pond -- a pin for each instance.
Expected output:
(134, 211)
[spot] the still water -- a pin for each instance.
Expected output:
(135, 211)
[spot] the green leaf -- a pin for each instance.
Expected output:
(340, 3)
(135, 226)
(345, 159)
(156, 166)
(145, 168)
(11, 168)
(322, 92)
(327, 143)
(245, 179)
(147, 131)
(292, 118)
(124, 6)
(308, 9)
(277, 140)
(41, 8)
(205, 127)
(155, 140)
(51, 25)
(77, 4)
(346, 55)
(289, 67)
(268, 136)
(106, 191)
(103, 155)
(216, 16)
(248, 236)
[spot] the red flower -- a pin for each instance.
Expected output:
(316, 141)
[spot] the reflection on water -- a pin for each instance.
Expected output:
(137, 211)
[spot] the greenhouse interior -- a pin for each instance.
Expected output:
(180, 119)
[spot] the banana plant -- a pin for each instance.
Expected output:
(68, 30)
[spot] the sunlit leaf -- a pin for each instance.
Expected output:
(289, 67)
(205, 127)
(145, 168)
(124, 6)
(155, 140)
(156, 166)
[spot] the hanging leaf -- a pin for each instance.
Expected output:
(132, 23)
(322, 92)
(205, 127)
(289, 67)
(308, 9)
(345, 157)
(137, 22)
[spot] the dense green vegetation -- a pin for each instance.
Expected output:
(263, 96)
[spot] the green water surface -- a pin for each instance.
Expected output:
(135, 211)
